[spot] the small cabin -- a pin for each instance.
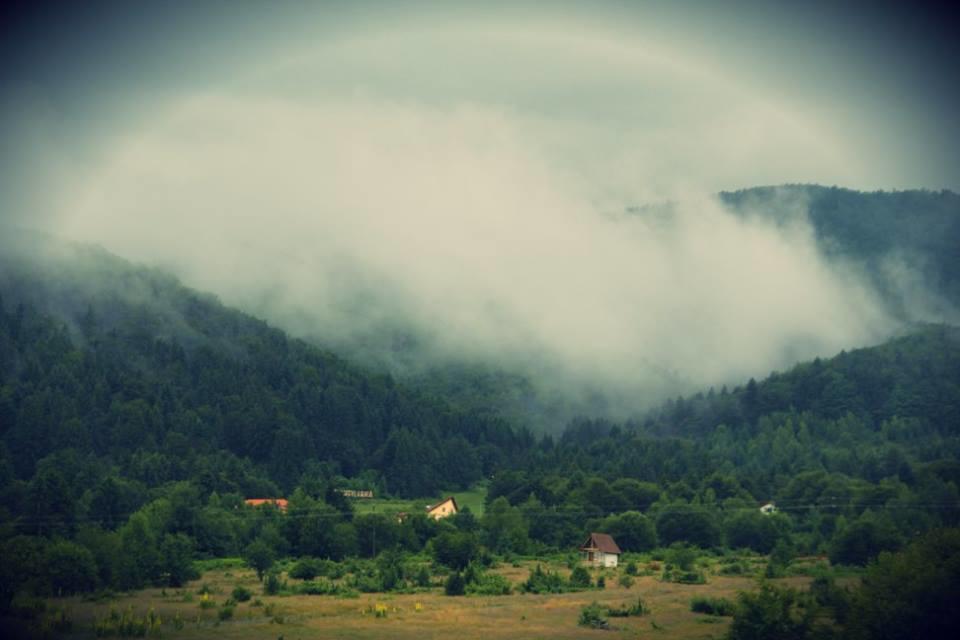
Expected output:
(768, 509)
(279, 503)
(600, 550)
(443, 509)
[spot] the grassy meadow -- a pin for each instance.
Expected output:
(198, 609)
(472, 498)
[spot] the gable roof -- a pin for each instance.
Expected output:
(443, 502)
(602, 542)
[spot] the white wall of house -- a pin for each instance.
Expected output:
(600, 559)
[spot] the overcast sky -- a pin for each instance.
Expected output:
(463, 169)
(724, 94)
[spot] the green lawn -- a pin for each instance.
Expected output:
(472, 498)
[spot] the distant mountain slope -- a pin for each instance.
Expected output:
(877, 414)
(126, 364)
(905, 244)
(903, 240)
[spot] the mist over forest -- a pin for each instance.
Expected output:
(564, 309)
(281, 285)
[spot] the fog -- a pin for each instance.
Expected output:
(527, 196)
(359, 224)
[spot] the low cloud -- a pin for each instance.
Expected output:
(359, 222)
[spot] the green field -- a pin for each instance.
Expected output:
(473, 498)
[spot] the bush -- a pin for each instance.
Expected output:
(71, 568)
(241, 594)
(455, 549)
(631, 568)
(580, 578)
(638, 609)
(770, 612)
(625, 581)
(681, 567)
(226, 612)
(682, 557)
(592, 616)
(324, 587)
(422, 579)
(272, 584)
(733, 569)
(601, 582)
(541, 581)
(712, 606)
(490, 584)
(455, 585)
(307, 569)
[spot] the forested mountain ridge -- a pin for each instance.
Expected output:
(136, 414)
(903, 246)
(901, 240)
(861, 413)
(859, 452)
(125, 364)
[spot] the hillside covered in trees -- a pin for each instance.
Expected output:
(136, 415)
(904, 242)
(119, 367)
(902, 245)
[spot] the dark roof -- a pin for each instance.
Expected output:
(601, 542)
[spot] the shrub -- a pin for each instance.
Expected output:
(625, 581)
(601, 582)
(681, 565)
(770, 612)
(226, 612)
(366, 582)
(455, 549)
(272, 584)
(712, 606)
(241, 594)
(307, 569)
(631, 568)
(541, 581)
(638, 609)
(71, 568)
(592, 616)
(422, 579)
(733, 569)
(580, 578)
(490, 584)
(317, 588)
(455, 585)
(682, 557)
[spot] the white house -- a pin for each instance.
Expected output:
(768, 509)
(600, 550)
